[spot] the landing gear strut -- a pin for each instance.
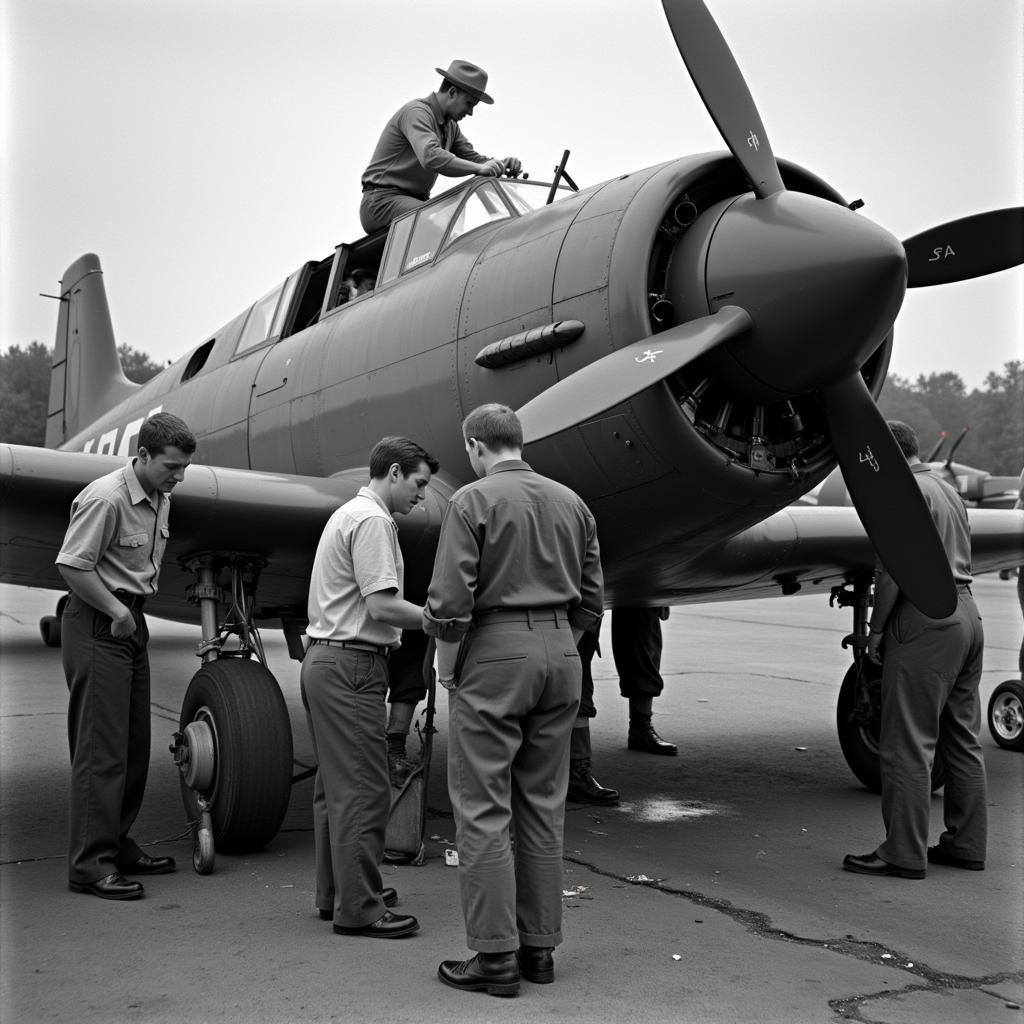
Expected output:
(234, 744)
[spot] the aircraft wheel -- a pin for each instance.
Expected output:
(1006, 715)
(49, 629)
(235, 723)
(859, 740)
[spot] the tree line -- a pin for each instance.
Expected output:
(25, 388)
(931, 404)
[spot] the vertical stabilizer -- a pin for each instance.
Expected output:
(86, 378)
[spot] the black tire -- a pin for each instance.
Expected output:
(246, 711)
(1006, 715)
(859, 741)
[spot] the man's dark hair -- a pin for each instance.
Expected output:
(905, 438)
(496, 426)
(408, 454)
(447, 84)
(165, 430)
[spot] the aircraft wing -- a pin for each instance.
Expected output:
(278, 519)
(805, 549)
(275, 517)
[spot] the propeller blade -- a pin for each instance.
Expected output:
(888, 500)
(720, 83)
(626, 372)
(970, 247)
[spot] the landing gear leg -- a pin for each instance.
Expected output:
(858, 710)
(234, 747)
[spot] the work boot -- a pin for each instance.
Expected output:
(643, 737)
(398, 766)
(584, 788)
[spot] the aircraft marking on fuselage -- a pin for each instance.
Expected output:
(107, 441)
(649, 355)
(868, 456)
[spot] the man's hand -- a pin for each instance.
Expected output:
(513, 165)
(875, 647)
(123, 624)
(491, 169)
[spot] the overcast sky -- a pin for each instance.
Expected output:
(206, 148)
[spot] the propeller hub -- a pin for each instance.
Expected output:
(822, 286)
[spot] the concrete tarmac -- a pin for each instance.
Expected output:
(712, 893)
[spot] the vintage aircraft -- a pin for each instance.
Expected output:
(691, 346)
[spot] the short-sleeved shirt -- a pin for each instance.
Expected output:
(417, 144)
(120, 531)
(358, 555)
(514, 540)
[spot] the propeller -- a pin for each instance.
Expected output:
(882, 488)
(625, 373)
(888, 500)
(724, 91)
(970, 247)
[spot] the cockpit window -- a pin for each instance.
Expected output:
(483, 206)
(426, 235)
(528, 196)
(257, 326)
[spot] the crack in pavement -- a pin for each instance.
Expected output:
(853, 1007)
(759, 924)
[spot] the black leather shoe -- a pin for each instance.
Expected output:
(643, 737)
(111, 887)
(389, 895)
(390, 926)
(937, 855)
(537, 964)
(497, 974)
(147, 865)
(872, 864)
(584, 788)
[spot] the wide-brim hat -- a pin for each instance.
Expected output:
(467, 77)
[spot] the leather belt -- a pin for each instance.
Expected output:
(531, 616)
(131, 600)
(354, 645)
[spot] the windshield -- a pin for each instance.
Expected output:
(526, 196)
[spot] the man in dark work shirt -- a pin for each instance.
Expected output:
(517, 579)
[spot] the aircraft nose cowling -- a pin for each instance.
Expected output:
(822, 286)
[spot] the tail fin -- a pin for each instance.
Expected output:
(86, 378)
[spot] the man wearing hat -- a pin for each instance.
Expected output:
(423, 140)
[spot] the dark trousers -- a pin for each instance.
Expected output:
(510, 718)
(636, 647)
(930, 706)
(380, 206)
(343, 693)
(109, 738)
